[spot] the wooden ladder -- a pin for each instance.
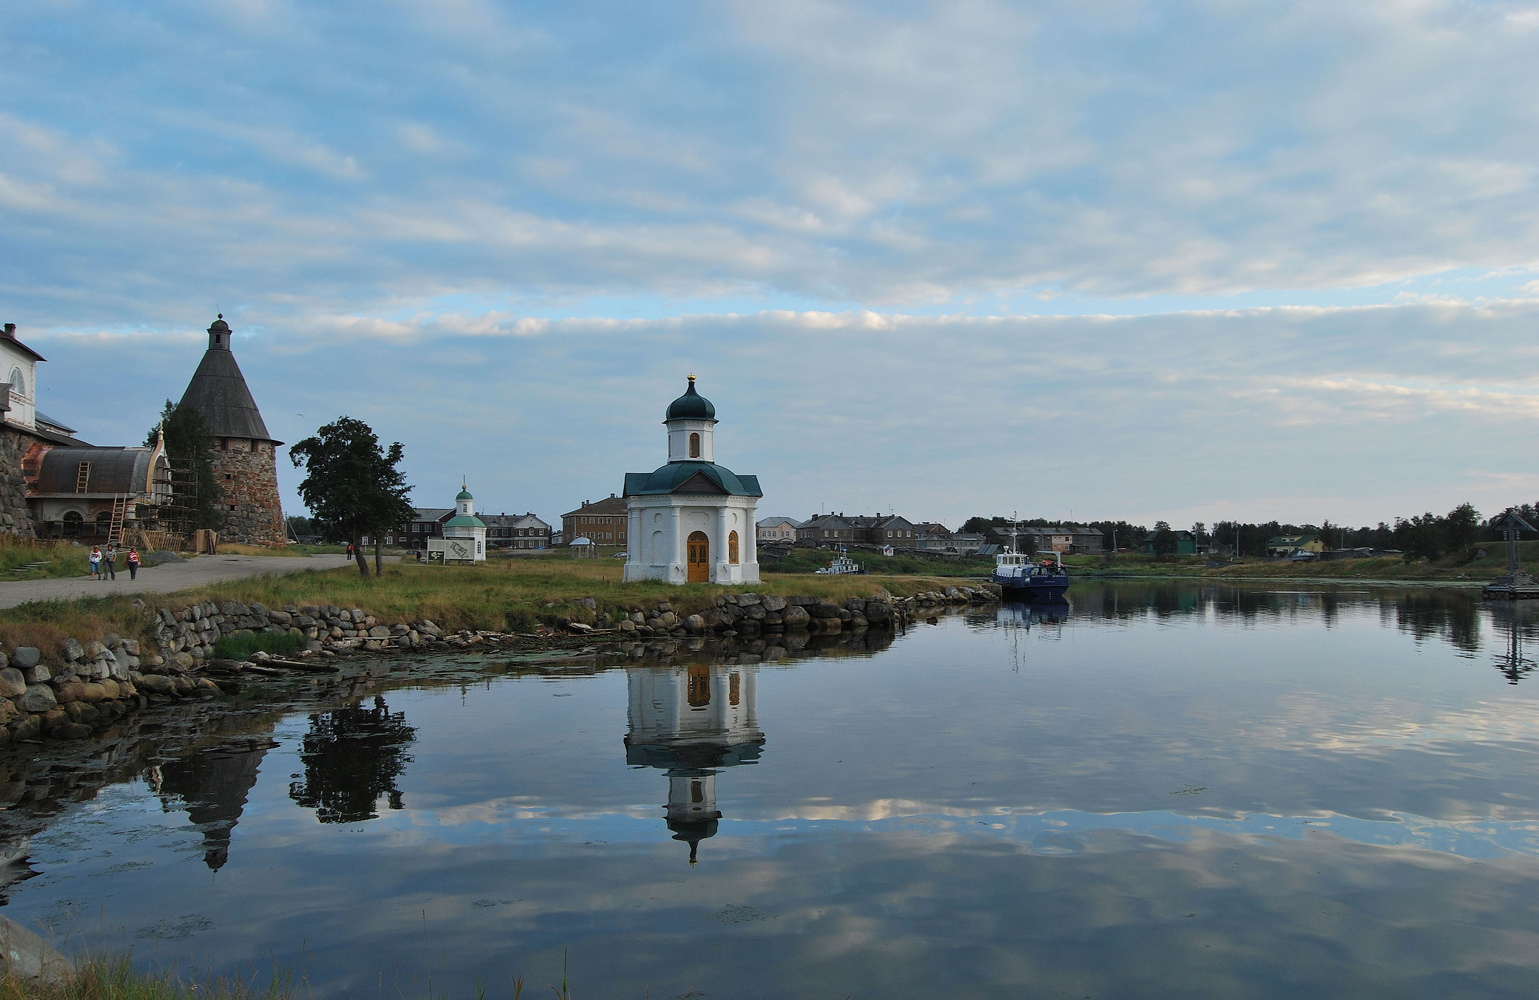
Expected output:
(119, 515)
(83, 478)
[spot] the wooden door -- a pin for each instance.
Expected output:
(699, 558)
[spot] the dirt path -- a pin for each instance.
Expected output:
(165, 579)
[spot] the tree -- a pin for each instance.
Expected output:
(1461, 528)
(1165, 540)
(189, 445)
(351, 486)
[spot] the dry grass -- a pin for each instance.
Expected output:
(28, 559)
(511, 595)
(116, 979)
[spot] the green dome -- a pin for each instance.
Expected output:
(464, 521)
(691, 405)
(464, 495)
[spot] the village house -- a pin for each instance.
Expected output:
(516, 531)
(1283, 546)
(777, 530)
(826, 529)
(1186, 544)
(602, 523)
(883, 530)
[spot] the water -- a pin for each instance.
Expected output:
(1161, 790)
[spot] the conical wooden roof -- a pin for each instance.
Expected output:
(218, 391)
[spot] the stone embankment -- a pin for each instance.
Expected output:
(89, 685)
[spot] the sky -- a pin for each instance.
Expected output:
(1190, 261)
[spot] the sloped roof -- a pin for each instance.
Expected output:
(609, 505)
(113, 471)
(689, 477)
(218, 392)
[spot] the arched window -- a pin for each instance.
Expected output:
(18, 382)
(732, 548)
(73, 520)
(694, 446)
(103, 522)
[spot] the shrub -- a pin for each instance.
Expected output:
(240, 647)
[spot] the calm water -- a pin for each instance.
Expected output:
(1153, 791)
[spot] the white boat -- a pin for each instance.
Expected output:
(840, 566)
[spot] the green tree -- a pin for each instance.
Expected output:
(1165, 541)
(1461, 528)
(351, 486)
(189, 445)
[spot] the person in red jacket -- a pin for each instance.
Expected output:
(133, 562)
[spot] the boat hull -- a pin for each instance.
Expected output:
(1029, 587)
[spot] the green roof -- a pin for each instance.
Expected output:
(670, 477)
(465, 521)
(464, 495)
(691, 405)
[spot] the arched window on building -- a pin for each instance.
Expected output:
(103, 522)
(18, 382)
(73, 521)
(732, 548)
(694, 446)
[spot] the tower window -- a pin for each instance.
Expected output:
(694, 446)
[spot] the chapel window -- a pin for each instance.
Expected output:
(732, 548)
(694, 446)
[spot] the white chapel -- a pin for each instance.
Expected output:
(691, 521)
(464, 537)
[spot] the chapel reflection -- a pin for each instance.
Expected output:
(1515, 620)
(691, 721)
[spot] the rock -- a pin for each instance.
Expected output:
(38, 674)
(663, 607)
(695, 624)
(71, 731)
(667, 620)
(259, 609)
(795, 617)
(380, 631)
(27, 656)
(93, 692)
(357, 615)
(131, 646)
(803, 602)
(69, 692)
(5, 661)
(878, 612)
(111, 689)
(29, 728)
(157, 684)
(8, 712)
(626, 625)
(774, 603)
(858, 620)
(12, 683)
(822, 610)
(94, 650)
(747, 600)
(37, 698)
(184, 660)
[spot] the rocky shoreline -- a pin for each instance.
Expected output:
(84, 687)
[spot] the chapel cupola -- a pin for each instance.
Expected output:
(465, 502)
(219, 335)
(690, 421)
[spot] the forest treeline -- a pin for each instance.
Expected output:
(1421, 536)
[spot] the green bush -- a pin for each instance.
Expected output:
(240, 647)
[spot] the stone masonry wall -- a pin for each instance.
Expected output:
(15, 516)
(252, 488)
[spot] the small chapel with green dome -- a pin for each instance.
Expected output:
(464, 534)
(691, 520)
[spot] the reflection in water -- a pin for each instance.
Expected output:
(352, 756)
(212, 785)
(691, 721)
(1516, 619)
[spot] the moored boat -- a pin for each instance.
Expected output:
(1019, 577)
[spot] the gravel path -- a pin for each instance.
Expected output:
(165, 579)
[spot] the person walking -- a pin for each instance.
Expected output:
(110, 562)
(96, 563)
(133, 562)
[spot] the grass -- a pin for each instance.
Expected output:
(240, 647)
(116, 979)
(28, 559)
(510, 596)
(808, 560)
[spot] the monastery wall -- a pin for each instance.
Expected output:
(252, 491)
(15, 515)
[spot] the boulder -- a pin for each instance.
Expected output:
(157, 684)
(69, 692)
(795, 617)
(38, 674)
(37, 698)
(380, 632)
(5, 661)
(73, 650)
(748, 600)
(695, 624)
(27, 656)
(12, 683)
(822, 610)
(29, 728)
(878, 612)
(774, 603)
(8, 712)
(94, 650)
(626, 625)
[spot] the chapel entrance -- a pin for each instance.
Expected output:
(699, 558)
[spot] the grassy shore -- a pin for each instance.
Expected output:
(116, 979)
(25, 559)
(1453, 569)
(508, 596)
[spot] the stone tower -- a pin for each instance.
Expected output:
(244, 453)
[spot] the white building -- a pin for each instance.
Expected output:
(691, 521)
(464, 537)
(778, 529)
(18, 373)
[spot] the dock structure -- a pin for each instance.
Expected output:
(1514, 585)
